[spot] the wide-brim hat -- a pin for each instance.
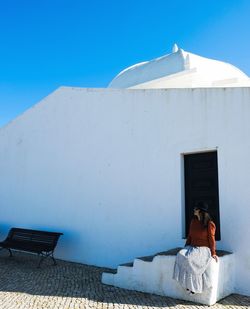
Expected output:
(202, 206)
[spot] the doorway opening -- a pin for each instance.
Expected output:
(201, 184)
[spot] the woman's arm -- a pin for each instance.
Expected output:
(211, 237)
(188, 241)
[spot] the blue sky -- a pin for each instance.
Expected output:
(45, 44)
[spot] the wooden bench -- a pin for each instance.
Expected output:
(40, 242)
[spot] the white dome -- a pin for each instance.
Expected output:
(180, 69)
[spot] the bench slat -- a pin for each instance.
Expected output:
(31, 240)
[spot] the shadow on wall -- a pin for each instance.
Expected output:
(20, 275)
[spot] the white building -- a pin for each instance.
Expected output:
(112, 168)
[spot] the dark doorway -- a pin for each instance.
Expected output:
(201, 184)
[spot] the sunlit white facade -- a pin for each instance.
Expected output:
(105, 166)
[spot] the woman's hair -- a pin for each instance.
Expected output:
(204, 215)
(204, 218)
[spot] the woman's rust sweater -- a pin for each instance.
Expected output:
(202, 237)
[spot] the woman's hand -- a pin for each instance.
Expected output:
(215, 257)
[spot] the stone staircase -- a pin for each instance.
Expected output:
(153, 274)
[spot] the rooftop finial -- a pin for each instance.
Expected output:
(187, 62)
(175, 48)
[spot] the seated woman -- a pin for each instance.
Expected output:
(192, 262)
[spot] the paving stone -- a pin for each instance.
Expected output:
(77, 286)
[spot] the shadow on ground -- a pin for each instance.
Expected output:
(19, 274)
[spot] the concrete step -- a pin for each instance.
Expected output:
(153, 274)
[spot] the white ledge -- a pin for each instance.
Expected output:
(156, 277)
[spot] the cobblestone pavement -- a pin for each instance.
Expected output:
(72, 285)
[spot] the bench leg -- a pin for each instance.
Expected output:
(10, 252)
(52, 256)
(45, 256)
(40, 261)
(11, 255)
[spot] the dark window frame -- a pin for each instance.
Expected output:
(201, 183)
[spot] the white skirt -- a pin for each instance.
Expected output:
(191, 268)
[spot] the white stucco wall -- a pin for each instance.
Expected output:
(104, 167)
